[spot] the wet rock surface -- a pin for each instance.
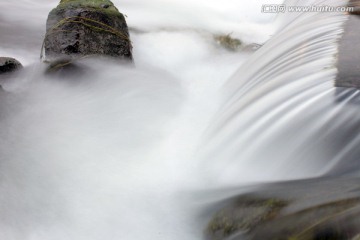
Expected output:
(81, 28)
(8, 65)
(321, 209)
(349, 58)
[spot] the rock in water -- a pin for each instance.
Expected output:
(313, 209)
(80, 28)
(8, 65)
(228, 42)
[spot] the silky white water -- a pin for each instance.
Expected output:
(120, 153)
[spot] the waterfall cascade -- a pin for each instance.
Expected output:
(282, 117)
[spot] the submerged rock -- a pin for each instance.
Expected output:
(233, 44)
(8, 65)
(300, 210)
(81, 28)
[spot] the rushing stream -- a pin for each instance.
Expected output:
(134, 153)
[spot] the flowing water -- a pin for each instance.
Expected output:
(120, 153)
(282, 117)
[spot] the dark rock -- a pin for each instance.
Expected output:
(319, 209)
(8, 65)
(348, 63)
(356, 7)
(80, 28)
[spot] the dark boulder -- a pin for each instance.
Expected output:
(8, 65)
(81, 28)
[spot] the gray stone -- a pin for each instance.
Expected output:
(82, 28)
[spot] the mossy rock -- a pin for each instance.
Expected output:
(234, 44)
(81, 28)
(228, 42)
(300, 210)
(243, 215)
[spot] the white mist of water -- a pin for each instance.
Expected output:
(112, 154)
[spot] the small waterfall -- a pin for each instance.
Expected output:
(282, 117)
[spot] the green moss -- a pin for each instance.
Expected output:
(228, 42)
(244, 215)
